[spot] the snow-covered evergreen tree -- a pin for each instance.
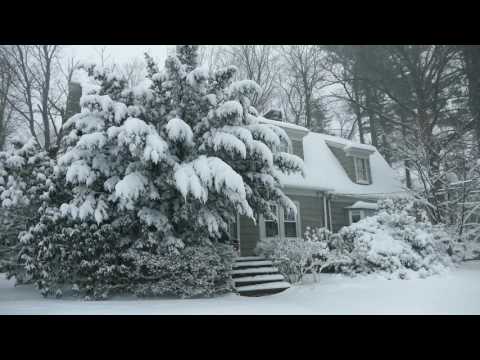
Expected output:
(27, 184)
(177, 157)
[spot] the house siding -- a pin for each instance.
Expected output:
(311, 211)
(249, 235)
(311, 214)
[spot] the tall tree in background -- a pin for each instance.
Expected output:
(412, 96)
(302, 79)
(33, 71)
(6, 79)
(471, 58)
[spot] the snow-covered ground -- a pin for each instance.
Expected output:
(455, 293)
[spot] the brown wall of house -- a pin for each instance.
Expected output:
(339, 213)
(311, 211)
(311, 214)
(249, 235)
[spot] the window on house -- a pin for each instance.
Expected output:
(271, 223)
(356, 216)
(290, 223)
(361, 170)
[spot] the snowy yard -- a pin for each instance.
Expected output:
(455, 293)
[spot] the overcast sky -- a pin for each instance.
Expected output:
(118, 53)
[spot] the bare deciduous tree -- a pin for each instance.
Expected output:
(133, 71)
(39, 90)
(260, 64)
(6, 80)
(302, 79)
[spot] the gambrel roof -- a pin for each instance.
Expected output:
(324, 172)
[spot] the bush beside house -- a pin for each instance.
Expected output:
(392, 243)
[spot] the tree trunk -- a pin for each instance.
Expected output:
(369, 103)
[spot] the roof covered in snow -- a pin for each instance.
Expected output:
(324, 172)
(363, 205)
(283, 124)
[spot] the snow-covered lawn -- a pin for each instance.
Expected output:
(457, 292)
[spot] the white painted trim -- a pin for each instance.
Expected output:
(297, 220)
(350, 211)
(261, 225)
(280, 223)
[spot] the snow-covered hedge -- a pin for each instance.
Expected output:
(394, 243)
(95, 261)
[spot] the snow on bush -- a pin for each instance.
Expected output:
(27, 183)
(317, 251)
(179, 156)
(392, 242)
(98, 261)
(294, 257)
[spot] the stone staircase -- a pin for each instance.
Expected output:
(257, 276)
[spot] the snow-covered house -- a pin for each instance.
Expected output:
(342, 182)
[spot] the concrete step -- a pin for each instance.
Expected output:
(263, 289)
(254, 271)
(249, 258)
(252, 264)
(259, 279)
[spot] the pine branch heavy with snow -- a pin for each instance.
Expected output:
(181, 154)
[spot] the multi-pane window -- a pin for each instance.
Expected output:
(290, 223)
(361, 170)
(284, 224)
(271, 223)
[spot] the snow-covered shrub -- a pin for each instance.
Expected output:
(96, 261)
(393, 242)
(198, 270)
(182, 154)
(294, 257)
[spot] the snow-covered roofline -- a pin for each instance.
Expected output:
(283, 124)
(350, 147)
(363, 205)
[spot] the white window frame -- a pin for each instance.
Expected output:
(281, 223)
(263, 228)
(356, 160)
(350, 215)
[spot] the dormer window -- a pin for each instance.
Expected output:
(361, 170)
